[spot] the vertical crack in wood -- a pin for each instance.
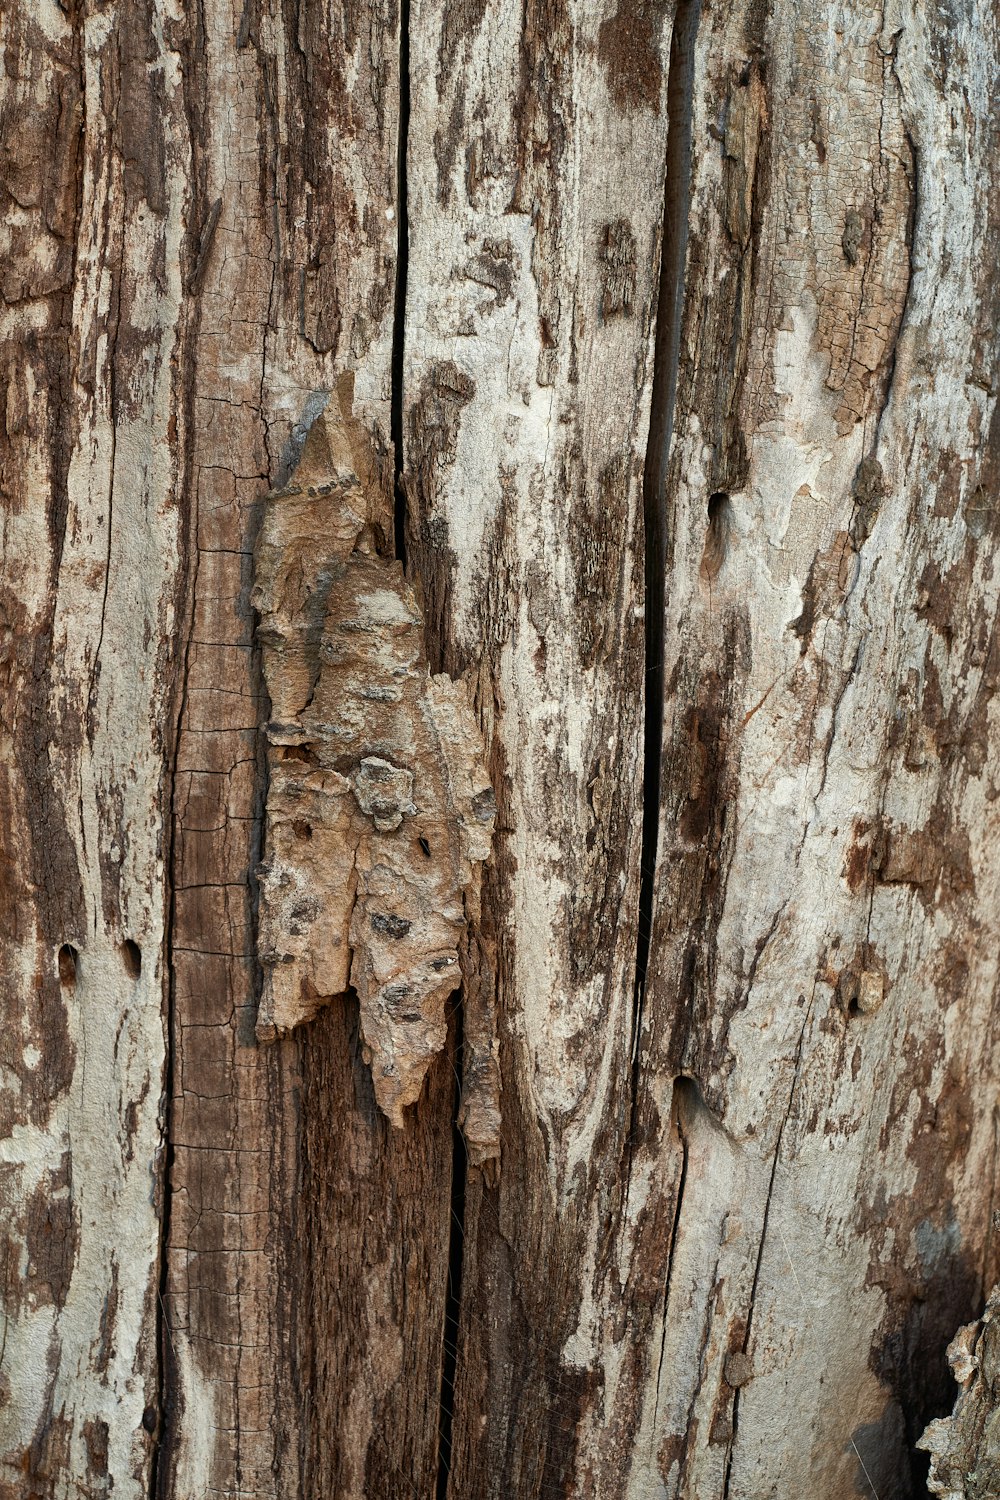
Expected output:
(683, 1089)
(460, 1105)
(869, 484)
(158, 1461)
(751, 1302)
(673, 253)
(459, 1162)
(166, 1372)
(402, 267)
(907, 298)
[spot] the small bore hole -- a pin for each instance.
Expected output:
(131, 958)
(718, 504)
(67, 964)
(425, 846)
(301, 829)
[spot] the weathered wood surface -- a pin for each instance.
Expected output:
(824, 963)
(297, 1356)
(741, 1283)
(379, 811)
(536, 149)
(747, 1055)
(831, 798)
(90, 304)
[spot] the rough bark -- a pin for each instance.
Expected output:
(676, 330)
(965, 1447)
(379, 811)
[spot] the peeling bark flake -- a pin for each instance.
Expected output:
(379, 809)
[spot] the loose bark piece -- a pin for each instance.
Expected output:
(379, 810)
(965, 1447)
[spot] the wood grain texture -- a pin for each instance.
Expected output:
(679, 334)
(201, 209)
(279, 1303)
(90, 338)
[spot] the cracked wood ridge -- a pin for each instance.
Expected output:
(379, 810)
(658, 499)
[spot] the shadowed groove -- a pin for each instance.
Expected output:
(680, 93)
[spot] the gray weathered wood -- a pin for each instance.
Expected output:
(678, 332)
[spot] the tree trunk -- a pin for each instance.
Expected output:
(673, 332)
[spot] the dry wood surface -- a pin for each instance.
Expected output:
(673, 337)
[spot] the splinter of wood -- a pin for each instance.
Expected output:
(379, 809)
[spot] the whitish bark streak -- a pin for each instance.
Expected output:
(90, 296)
(745, 1367)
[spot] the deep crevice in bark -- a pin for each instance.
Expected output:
(677, 195)
(911, 240)
(402, 262)
(459, 1162)
(685, 1090)
(165, 1377)
(159, 1417)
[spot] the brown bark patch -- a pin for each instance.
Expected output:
(938, 595)
(379, 810)
(599, 560)
(431, 449)
(95, 1436)
(50, 1236)
(628, 45)
(707, 743)
(618, 254)
(857, 859)
(494, 267)
(936, 860)
(825, 587)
